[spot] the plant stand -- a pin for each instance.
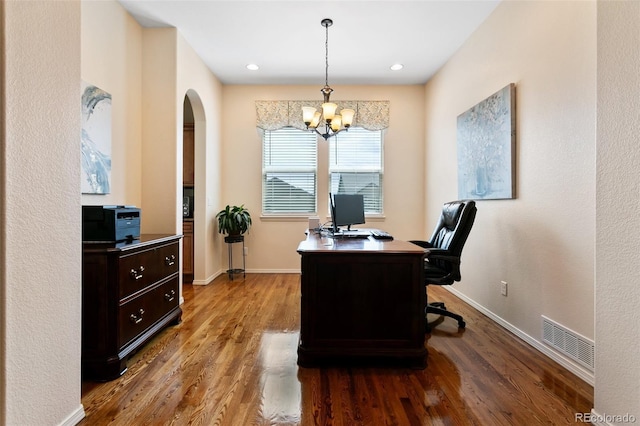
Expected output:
(230, 240)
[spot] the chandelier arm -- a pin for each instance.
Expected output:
(328, 132)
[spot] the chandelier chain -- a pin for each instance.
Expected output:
(326, 56)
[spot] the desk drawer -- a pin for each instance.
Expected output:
(137, 315)
(141, 269)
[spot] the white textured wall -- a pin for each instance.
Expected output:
(40, 271)
(617, 219)
(543, 242)
(273, 242)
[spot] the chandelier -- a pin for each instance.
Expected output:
(333, 123)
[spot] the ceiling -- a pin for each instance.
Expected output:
(286, 40)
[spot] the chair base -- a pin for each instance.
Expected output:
(439, 309)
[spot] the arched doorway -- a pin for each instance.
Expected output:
(188, 191)
(193, 204)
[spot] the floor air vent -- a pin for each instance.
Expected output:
(567, 342)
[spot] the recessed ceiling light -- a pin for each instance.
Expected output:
(252, 67)
(396, 67)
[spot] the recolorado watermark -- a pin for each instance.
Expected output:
(605, 418)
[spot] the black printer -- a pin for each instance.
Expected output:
(110, 223)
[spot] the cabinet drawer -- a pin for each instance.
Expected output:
(138, 314)
(167, 260)
(140, 270)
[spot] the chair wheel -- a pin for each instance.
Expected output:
(461, 324)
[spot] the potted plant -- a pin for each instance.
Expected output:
(234, 220)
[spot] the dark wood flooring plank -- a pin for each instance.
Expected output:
(232, 361)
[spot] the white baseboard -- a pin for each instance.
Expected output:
(576, 369)
(209, 279)
(74, 418)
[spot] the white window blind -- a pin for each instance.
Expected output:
(289, 169)
(356, 166)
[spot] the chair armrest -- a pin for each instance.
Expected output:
(423, 244)
(441, 254)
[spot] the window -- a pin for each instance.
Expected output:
(355, 166)
(289, 170)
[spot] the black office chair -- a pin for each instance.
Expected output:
(442, 263)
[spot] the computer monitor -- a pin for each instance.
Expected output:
(346, 210)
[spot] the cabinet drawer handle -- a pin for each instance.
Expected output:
(137, 319)
(136, 274)
(170, 260)
(170, 296)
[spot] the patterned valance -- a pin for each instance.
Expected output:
(273, 115)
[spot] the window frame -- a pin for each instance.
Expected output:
(361, 169)
(269, 212)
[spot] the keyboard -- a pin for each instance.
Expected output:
(353, 234)
(381, 235)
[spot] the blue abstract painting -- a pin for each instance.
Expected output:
(96, 140)
(486, 148)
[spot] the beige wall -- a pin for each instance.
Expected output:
(205, 92)
(111, 43)
(40, 270)
(617, 221)
(542, 242)
(147, 123)
(272, 242)
(161, 152)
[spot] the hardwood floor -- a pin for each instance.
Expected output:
(232, 361)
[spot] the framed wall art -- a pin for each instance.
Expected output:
(96, 140)
(486, 138)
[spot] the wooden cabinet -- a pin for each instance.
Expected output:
(187, 251)
(130, 292)
(188, 150)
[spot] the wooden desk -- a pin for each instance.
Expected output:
(361, 299)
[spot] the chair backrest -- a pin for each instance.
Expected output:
(452, 230)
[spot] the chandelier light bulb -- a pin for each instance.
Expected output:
(347, 117)
(336, 122)
(329, 111)
(307, 114)
(316, 120)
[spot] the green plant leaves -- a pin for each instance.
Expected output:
(234, 220)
